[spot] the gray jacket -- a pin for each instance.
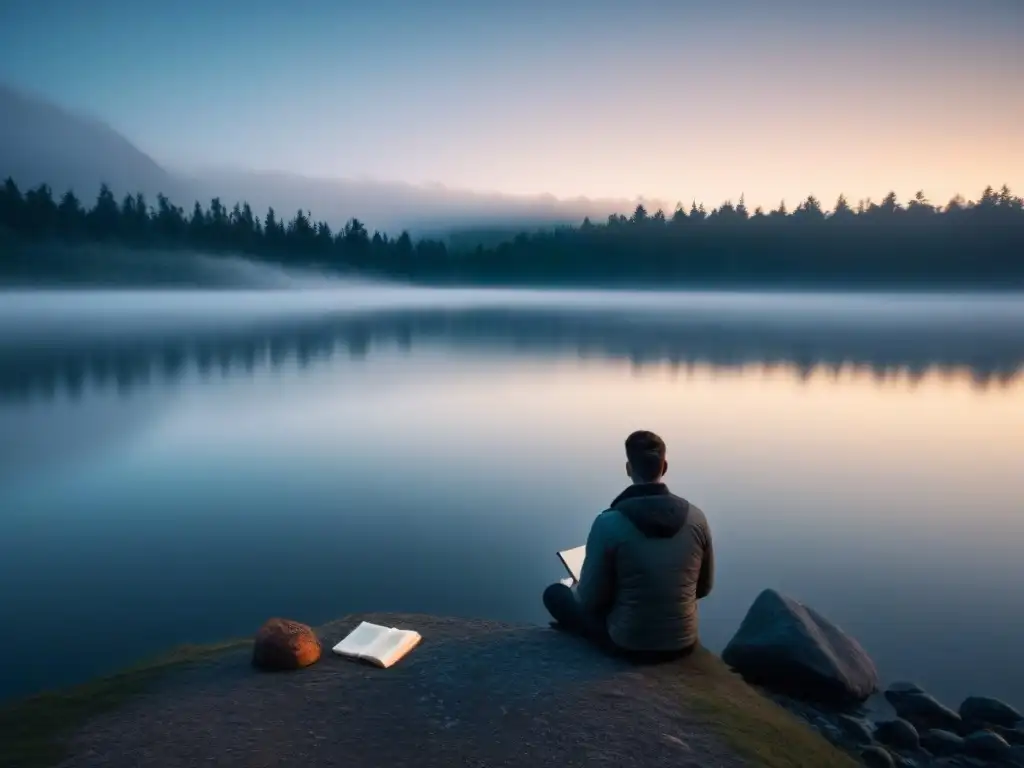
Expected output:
(649, 559)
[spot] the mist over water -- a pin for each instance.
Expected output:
(158, 448)
(53, 266)
(309, 296)
(48, 336)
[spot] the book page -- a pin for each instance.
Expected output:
(360, 640)
(391, 647)
(572, 559)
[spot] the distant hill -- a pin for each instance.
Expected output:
(425, 210)
(42, 143)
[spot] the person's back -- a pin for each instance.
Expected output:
(656, 546)
(649, 558)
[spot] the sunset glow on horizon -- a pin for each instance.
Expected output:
(669, 101)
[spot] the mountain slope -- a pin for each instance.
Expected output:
(41, 142)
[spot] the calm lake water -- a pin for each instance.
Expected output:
(178, 467)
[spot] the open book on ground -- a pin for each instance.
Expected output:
(572, 559)
(382, 646)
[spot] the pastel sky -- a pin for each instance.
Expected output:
(670, 99)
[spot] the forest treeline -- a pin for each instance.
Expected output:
(916, 242)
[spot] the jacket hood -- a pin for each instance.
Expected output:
(652, 509)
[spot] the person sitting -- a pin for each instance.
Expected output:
(649, 559)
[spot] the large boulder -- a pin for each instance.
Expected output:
(788, 646)
(981, 710)
(916, 706)
(285, 644)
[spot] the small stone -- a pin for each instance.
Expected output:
(986, 744)
(957, 761)
(940, 742)
(981, 710)
(1012, 735)
(898, 733)
(920, 709)
(285, 644)
(876, 757)
(855, 729)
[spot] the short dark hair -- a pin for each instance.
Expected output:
(646, 454)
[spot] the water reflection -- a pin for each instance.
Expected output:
(992, 356)
(496, 428)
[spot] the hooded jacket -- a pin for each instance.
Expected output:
(649, 558)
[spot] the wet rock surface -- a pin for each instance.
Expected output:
(822, 675)
(986, 744)
(941, 743)
(922, 710)
(876, 757)
(898, 734)
(981, 710)
(978, 745)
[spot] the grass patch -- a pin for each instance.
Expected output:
(757, 728)
(34, 731)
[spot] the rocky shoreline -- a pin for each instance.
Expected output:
(799, 659)
(899, 742)
(486, 693)
(808, 665)
(473, 693)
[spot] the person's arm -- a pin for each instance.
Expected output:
(706, 580)
(596, 589)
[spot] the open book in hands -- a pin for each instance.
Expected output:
(382, 646)
(573, 559)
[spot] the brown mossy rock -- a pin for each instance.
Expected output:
(285, 644)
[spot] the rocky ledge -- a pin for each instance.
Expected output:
(490, 694)
(473, 693)
(815, 670)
